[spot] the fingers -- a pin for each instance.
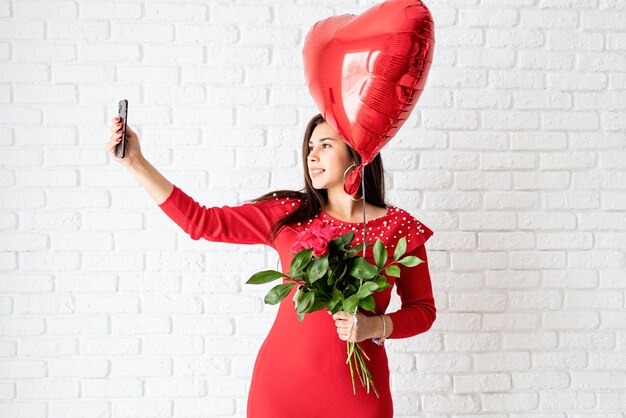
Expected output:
(346, 324)
(340, 315)
(116, 135)
(346, 333)
(113, 141)
(116, 130)
(117, 124)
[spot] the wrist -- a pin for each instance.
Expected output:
(380, 330)
(137, 164)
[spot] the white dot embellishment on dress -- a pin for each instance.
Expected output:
(380, 227)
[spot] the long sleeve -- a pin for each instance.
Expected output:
(249, 223)
(414, 287)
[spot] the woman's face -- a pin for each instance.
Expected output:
(328, 157)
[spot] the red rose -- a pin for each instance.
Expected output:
(316, 236)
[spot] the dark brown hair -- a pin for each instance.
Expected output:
(313, 199)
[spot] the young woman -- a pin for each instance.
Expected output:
(301, 368)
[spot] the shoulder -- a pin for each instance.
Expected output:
(416, 232)
(279, 206)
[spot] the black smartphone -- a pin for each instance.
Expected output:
(123, 115)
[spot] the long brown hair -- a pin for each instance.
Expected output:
(312, 200)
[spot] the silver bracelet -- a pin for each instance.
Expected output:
(381, 341)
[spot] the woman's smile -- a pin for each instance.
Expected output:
(316, 172)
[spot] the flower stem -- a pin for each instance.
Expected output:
(355, 355)
(351, 372)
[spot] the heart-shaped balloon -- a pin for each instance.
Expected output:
(366, 72)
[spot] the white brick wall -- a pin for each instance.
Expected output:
(515, 156)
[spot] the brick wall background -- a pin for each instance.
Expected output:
(515, 156)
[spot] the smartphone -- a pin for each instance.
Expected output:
(123, 115)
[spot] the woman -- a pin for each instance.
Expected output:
(301, 368)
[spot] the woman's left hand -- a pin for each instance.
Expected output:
(362, 330)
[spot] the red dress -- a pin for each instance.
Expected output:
(301, 370)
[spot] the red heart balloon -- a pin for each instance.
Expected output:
(366, 72)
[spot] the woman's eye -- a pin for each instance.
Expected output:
(323, 145)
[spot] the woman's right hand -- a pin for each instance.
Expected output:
(132, 149)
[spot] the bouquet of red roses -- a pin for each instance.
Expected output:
(330, 275)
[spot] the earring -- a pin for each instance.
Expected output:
(344, 180)
(346, 172)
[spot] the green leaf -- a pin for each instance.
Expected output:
(336, 298)
(350, 290)
(278, 293)
(336, 295)
(338, 275)
(369, 304)
(393, 271)
(347, 237)
(361, 269)
(367, 289)
(331, 304)
(265, 276)
(360, 274)
(300, 261)
(296, 295)
(359, 247)
(300, 316)
(400, 248)
(380, 253)
(306, 301)
(410, 261)
(350, 304)
(318, 268)
(382, 283)
(318, 305)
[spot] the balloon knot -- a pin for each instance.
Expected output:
(353, 181)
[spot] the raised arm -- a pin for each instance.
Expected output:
(155, 184)
(249, 223)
